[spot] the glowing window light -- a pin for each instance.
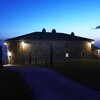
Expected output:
(66, 54)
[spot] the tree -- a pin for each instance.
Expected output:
(51, 55)
(1, 65)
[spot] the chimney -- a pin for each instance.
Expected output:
(72, 34)
(43, 30)
(53, 30)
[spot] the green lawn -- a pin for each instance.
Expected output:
(84, 71)
(12, 86)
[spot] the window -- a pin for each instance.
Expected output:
(66, 54)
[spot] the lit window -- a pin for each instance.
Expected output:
(66, 54)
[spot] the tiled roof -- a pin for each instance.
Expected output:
(95, 47)
(49, 36)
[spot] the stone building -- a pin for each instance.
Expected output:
(95, 52)
(47, 47)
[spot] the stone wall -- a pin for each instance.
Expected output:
(30, 52)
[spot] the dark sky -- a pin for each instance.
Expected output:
(19, 17)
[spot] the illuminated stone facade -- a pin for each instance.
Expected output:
(36, 48)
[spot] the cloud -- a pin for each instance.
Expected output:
(98, 27)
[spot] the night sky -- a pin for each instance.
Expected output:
(19, 17)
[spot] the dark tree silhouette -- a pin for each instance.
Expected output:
(46, 58)
(35, 59)
(1, 65)
(51, 55)
(30, 57)
(98, 27)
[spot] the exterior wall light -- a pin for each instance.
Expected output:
(23, 44)
(89, 44)
(92, 42)
(9, 54)
(23, 48)
(5, 43)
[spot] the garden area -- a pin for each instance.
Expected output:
(86, 72)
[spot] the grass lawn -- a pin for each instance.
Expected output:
(12, 86)
(84, 71)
